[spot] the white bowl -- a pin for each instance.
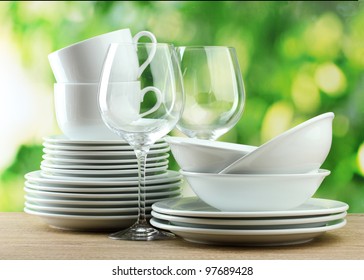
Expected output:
(82, 62)
(301, 149)
(204, 155)
(260, 192)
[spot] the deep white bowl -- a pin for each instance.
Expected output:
(197, 155)
(301, 149)
(255, 192)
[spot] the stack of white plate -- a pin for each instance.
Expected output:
(93, 185)
(195, 221)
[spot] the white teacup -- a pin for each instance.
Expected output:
(77, 108)
(82, 62)
(124, 100)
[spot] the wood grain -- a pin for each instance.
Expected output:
(25, 237)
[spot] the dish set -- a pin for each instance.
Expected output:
(255, 195)
(245, 195)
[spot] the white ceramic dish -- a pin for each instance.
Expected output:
(255, 192)
(169, 177)
(119, 196)
(205, 156)
(50, 164)
(282, 223)
(85, 222)
(111, 154)
(126, 177)
(301, 149)
(100, 173)
(80, 203)
(83, 210)
(195, 207)
(92, 160)
(82, 62)
(124, 189)
(98, 147)
(234, 237)
(64, 140)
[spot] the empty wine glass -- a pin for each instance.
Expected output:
(214, 90)
(141, 111)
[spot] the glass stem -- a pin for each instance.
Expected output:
(141, 154)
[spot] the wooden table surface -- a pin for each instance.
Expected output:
(26, 237)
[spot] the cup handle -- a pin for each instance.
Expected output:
(156, 105)
(151, 36)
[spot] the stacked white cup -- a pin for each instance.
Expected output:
(77, 69)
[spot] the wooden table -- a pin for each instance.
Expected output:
(26, 237)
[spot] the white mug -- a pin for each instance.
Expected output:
(77, 109)
(82, 62)
(124, 100)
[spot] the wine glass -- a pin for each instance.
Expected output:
(141, 111)
(214, 90)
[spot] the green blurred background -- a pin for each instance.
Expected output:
(298, 59)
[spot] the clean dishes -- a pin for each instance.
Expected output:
(101, 161)
(84, 222)
(82, 211)
(255, 192)
(38, 177)
(84, 186)
(259, 237)
(96, 196)
(195, 207)
(93, 173)
(84, 203)
(299, 150)
(267, 223)
(206, 156)
(77, 110)
(83, 189)
(121, 147)
(195, 221)
(82, 62)
(50, 164)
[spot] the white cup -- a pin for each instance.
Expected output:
(77, 112)
(82, 62)
(124, 100)
(77, 108)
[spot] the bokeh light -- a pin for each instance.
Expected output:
(330, 79)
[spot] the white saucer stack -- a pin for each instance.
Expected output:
(93, 185)
(195, 221)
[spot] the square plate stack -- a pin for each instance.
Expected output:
(93, 185)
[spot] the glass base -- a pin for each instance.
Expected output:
(141, 232)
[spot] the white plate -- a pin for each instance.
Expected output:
(84, 210)
(85, 222)
(126, 177)
(88, 203)
(97, 147)
(71, 189)
(93, 173)
(236, 237)
(169, 177)
(67, 160)
(249, 223)
(112, 154)
(120, 196)
(50, 164)
(194, 207)
(62, 139)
